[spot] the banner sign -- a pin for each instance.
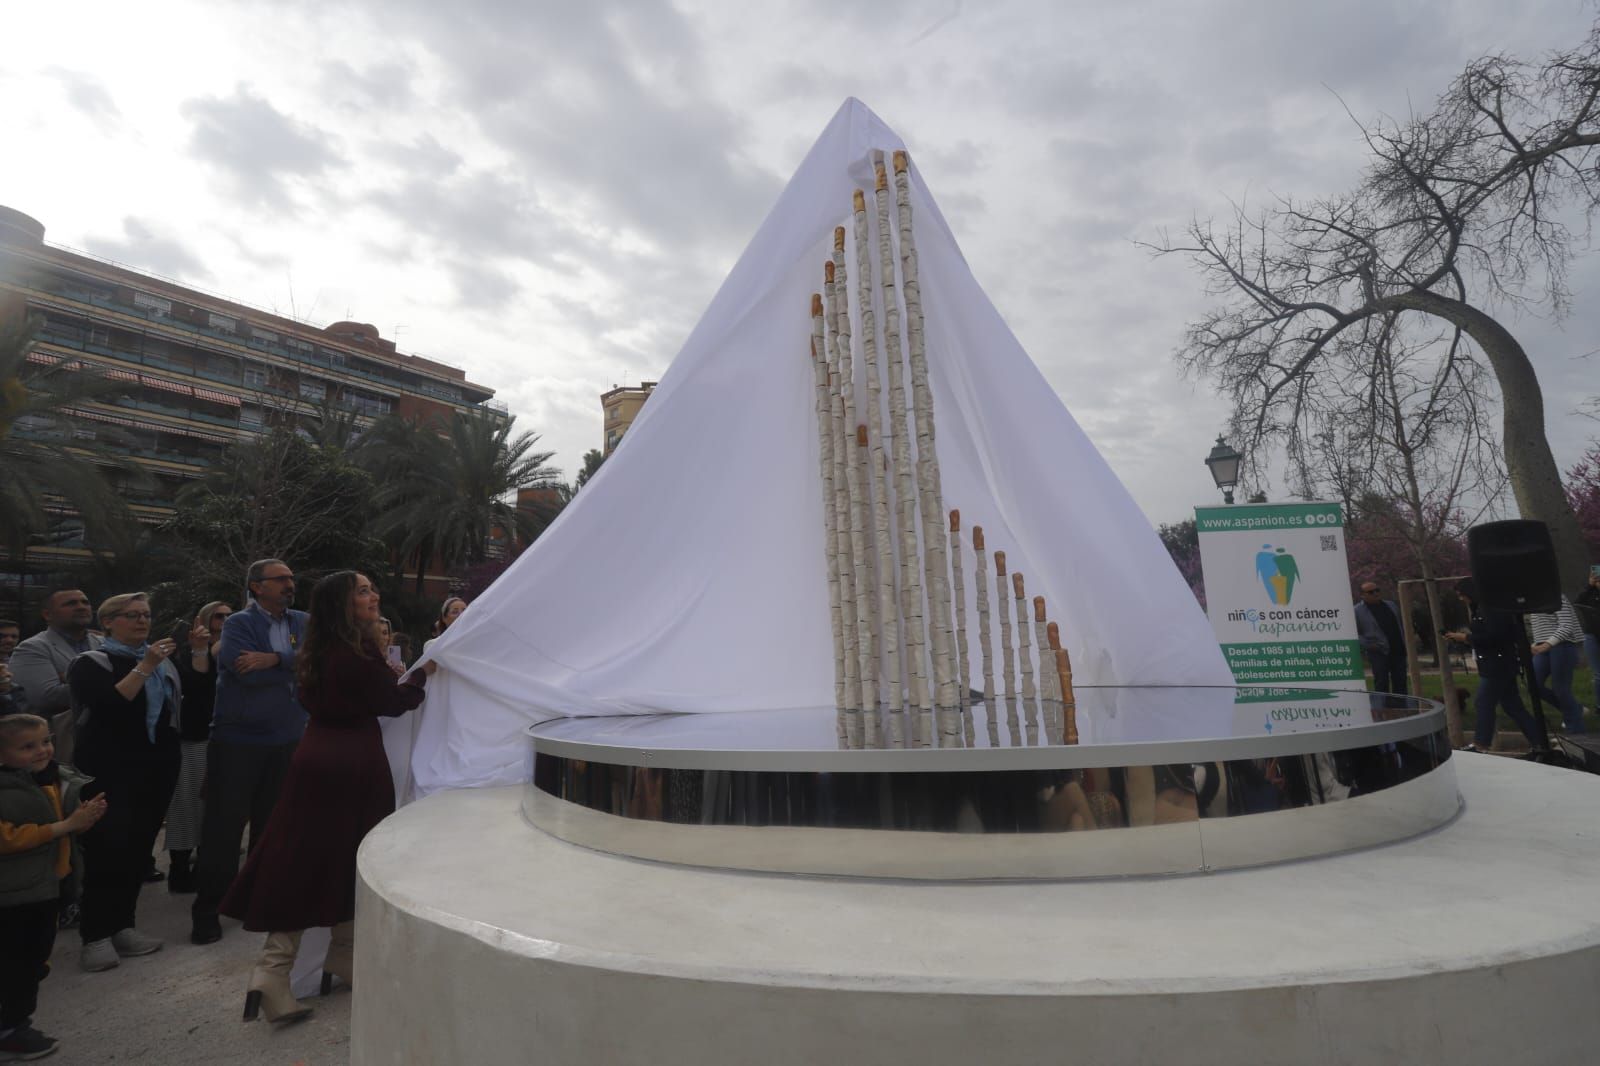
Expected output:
(1278, 593)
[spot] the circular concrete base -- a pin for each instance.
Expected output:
(481, 939)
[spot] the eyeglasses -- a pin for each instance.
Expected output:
(279, 577)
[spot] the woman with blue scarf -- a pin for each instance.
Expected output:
(128, 696)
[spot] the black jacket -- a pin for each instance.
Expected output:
(1587, 604)
(199, 695)
(1494, 642)
(111, 730)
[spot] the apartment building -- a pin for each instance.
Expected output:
(202, 371)
(621, 406)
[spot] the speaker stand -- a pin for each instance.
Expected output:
(1542, 751)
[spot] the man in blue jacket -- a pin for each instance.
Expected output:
(254, 729)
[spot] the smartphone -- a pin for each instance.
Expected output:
(393, 655)
(1594, 571)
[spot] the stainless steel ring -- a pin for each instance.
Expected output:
(766, 791)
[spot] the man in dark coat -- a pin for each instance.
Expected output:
(1382, 642)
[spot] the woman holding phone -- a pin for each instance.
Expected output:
(1493, 637)
(129, 698)
(303, 873)
(197, 673)
(391, 649)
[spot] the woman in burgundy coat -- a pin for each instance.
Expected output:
(303, 873)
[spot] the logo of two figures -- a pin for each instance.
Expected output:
(1278, 572)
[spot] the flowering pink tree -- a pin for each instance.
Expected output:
(1182, 542)
(1583, 491)
(1382, 545)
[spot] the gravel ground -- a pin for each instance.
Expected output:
(180, 1005)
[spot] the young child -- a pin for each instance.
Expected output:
(39, 818)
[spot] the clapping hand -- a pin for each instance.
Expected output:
(90, 812)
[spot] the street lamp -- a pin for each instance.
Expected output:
(1224, 464)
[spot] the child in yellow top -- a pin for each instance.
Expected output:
(40, 817)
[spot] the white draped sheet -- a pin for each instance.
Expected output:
(689, 574)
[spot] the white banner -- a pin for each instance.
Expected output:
(1278, 593)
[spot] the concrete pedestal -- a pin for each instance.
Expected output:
(481, 939)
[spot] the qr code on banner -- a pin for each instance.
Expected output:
(1330, 542)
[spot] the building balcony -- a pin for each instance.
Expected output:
(176, 412)
(328, 362)
(197, 463)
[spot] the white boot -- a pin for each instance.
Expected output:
(269, 981)
(341, 960)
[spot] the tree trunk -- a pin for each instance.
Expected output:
(1441, 652)
(1408, 631)
(1535, 478)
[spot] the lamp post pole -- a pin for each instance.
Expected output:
(1223, 462)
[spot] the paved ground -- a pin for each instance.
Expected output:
(180, 1005)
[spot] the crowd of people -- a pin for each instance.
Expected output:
(264, 717)
(1556, 642)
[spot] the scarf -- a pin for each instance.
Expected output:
(158, 687)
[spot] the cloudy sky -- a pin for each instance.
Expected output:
(548, 194)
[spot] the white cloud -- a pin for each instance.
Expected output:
(151, 251)
(548, 194)
(256, 147)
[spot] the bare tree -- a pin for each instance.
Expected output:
(1463, 213)
(1404, 419)
(1398, 430)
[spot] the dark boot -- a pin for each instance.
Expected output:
(180, 872)
(207, 928)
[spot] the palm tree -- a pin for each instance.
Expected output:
(444, 490)
(592, 459)
(49, 464)
(333, 428)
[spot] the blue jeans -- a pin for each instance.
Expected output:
(1501, 691)
(1552, 670)
(1591, 650)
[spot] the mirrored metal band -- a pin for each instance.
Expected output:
(1419, 718)
(1093, 818)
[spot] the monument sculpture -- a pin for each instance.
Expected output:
(790, 806)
